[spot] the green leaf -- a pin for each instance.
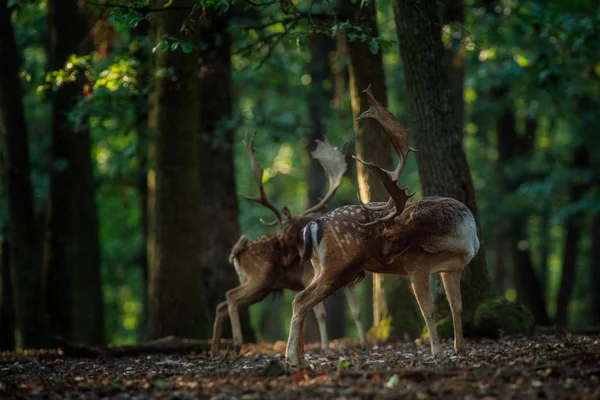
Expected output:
(374, 45)
(160, 46)
(187, 47)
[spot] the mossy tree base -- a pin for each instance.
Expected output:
(400, 315)
(493, 318)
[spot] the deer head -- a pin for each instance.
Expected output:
(288, 225)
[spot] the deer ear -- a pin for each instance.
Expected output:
(286, 212)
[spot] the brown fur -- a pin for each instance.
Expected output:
(420, 238)
(263, 263)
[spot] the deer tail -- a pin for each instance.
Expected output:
(311, 235)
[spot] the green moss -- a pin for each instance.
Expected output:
(382, 330)
(497, 316)
(444, 328)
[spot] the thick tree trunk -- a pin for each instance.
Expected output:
(24, 240)
(573, 231)
(218, 201)
(7, 305)
(177, 303)
(453, 14)
(595, 271)
(511, 146)
(395, 311)
(74, 292)
(153, 106)
(88, 299)
(141, 34)
(441, 159)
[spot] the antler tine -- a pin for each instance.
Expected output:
(389, 179)
(398, 135)
(257, 172)
(368, 207)
(333, 162)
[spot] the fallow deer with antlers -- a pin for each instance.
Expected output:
(272, 263)
(418, 238)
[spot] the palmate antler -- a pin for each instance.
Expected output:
(333, 162)
(331, 159)
(398, 135)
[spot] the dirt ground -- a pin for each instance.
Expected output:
(546, 366)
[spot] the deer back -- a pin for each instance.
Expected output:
(256, 258)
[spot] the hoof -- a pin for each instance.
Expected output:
(439, 354)
(299, 364)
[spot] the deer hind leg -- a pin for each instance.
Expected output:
(322, 286)
(451, 281)
(320, 313)
(221, 316)
(352, 300)
(238, 299)
(304, 301)
(420, 285)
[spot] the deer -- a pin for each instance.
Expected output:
(415, 238)
(271, 263)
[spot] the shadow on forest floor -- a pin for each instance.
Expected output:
(547, 366)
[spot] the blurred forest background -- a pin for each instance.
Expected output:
(107, 157)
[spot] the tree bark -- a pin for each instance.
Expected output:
(141, 34)
(177, 303)
(218, 202)
(511, 147)
(573, 231)
(595, 271)
(441, 160)
(453, 14)
(24, 240)
(393, 315)
(88, 299)
(7, 305)
(74, 291)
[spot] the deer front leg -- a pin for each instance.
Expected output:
(320, 313)
(352, 300)
(420, 285)
(451, 282)
(240, 298)
(220, 316)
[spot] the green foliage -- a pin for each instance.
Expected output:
(497, 317)
(545, 54)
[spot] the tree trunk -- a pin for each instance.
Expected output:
(453, 14)
(74, 292)
(153, 106)
(218, 202)
(88, 299)
(177, 303)
(141, 33)
(25, 257)
(395, 310)
(595, 272)
(510, 148)
(573, 231)
(7, 305)
(441, 160)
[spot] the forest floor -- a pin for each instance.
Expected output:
(546, 366)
